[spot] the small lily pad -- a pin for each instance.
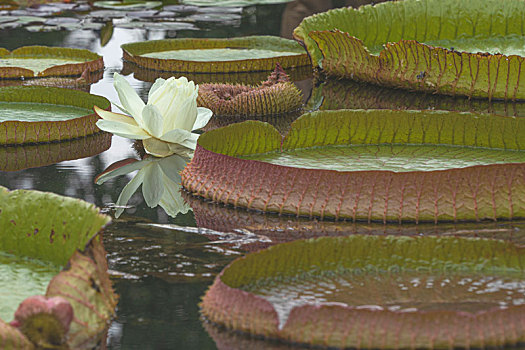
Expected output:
(232, 3)
(42, 114)
(376, 293)
(41, 61)
(245, 54)
(127, 4)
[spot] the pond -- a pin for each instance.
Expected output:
(161, 266)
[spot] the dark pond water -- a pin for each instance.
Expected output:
(162, 265)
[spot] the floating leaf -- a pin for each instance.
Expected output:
(346, 94)
(127, 4)
(42, 114)
(256, 53)
(15, 158)
(56, 232)
(386, 304)
(42, 61)
(432, 45)
(479, 174)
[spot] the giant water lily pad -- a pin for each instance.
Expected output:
(43, 114)
(245, 54)
(60, 233)
(41, 61)
(472, 48)
(368, 165)
(376, 293)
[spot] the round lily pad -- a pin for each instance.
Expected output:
(472, 48)
(15, 158)
(42, 114)
(374, 165)
(41, 61)
(376, 293)
(245, 54)
(59, 233)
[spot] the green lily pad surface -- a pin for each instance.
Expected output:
(60, 233)
(376, 292)
(36, 112)
(42, 114)
(21, 278)
(368, 165)
(206, 55)
(228, 3)
(244, 54)
(472, 48)
(42, 61)
(398, 158)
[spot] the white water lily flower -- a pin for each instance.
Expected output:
(160, 180)
(165, 123)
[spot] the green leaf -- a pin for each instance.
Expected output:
(421, 40)
(382, 276)
(405, 166)
(245, 54)
(127, 5)
(43, 61)
(53, 231)
(26, 119)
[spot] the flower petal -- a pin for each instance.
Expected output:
(172, 201)
(203, 117)
(129, 166)
(156, 85)
(130, 100)
(128, 191)
(156, 147)
(190, 142)
(122, 129)
(172, 166)
(176, 136)
(153, 186)
(152, 120)
(115, 117)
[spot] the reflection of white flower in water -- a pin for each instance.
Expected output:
(165, 123)
(160, 179)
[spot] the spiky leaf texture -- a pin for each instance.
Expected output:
(276, 95)
(20, 132)
(85, 61)
(340, 41)
(230, 302)
(490, 191)
(133, 53)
